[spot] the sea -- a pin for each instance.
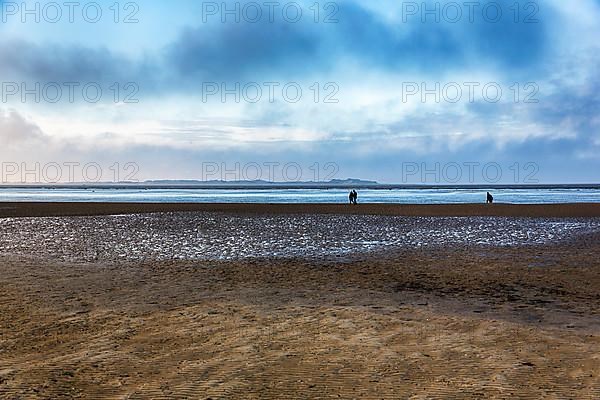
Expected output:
(534, 195)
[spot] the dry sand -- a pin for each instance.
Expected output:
(464, 322)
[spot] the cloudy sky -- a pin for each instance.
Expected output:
(392, 91)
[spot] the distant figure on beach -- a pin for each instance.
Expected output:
(490, 198)
(353, 197)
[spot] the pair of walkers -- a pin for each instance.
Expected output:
(353, 197)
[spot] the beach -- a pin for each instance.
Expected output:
(48, 209)
(262, 301)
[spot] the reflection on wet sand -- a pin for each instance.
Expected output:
(219, 236)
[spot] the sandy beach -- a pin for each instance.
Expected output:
(82, 318)
(40, 209)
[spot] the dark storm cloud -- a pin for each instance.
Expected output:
(24, 61)
(234, 50)
(283, 50)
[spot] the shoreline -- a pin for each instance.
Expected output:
(56, 209)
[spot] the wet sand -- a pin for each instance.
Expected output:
(441, 322)
(226, 236)
(35, 209)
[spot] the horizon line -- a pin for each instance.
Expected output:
(233, 185)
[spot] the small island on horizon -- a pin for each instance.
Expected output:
(349, 183)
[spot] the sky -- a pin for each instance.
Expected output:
(431, 92)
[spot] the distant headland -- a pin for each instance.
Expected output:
(349, 183)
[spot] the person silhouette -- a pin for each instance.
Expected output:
(353, 196)
(490, 198)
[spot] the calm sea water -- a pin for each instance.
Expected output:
(417, 196)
